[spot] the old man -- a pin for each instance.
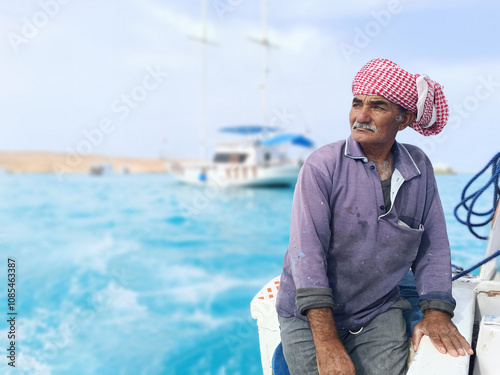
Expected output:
(365, 211)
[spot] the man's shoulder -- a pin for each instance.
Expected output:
(415, 153)
(412, 148)
(326, 155)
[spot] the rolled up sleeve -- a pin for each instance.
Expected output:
(310, 298)
(310, 235)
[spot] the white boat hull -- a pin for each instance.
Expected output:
(238, 176)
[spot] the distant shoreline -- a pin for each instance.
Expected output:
(63, 163)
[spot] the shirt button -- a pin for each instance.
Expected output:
(372, 167)
(382, 208)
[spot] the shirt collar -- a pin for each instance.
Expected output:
(353, 150)
(403, 161)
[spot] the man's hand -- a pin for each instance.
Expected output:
(333, 359)
(331, 355)
(443, 333)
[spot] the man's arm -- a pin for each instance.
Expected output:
(432, 269)
(331, 355)
(443, 333)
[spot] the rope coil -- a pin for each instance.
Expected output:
(468, 201)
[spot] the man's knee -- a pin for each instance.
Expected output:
(298, 346)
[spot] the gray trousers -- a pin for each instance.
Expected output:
(381, 348)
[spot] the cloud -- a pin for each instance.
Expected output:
(93, 52)
(337, 10)
(187, 25)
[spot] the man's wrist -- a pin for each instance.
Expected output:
(322, 325)
(437, 304)
(437, 312)
(329, 346)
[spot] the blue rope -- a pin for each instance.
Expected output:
(468, 201)
(492, 256)
(457, 268)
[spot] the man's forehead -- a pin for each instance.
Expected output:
(371, 98)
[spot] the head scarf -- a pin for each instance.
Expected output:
(414, 92)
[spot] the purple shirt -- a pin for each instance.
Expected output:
(347, 252)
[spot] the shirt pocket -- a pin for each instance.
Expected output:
(403, 241)
(409, 240)
(410, 222)
(403, 224)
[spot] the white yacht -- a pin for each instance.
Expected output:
(259, 160)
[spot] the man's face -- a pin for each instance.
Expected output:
(375, 120)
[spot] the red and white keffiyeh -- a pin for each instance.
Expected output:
(414, 92)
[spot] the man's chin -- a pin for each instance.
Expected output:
(363, 135)
(360, 134)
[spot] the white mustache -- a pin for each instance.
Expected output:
(364, 125)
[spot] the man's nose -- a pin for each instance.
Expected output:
(363, 114)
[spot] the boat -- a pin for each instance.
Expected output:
(258, 160)
(477, 313)
(101, 169)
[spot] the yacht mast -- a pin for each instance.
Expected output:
(265, 65)
(264, 41)
(204, 41)
(203, 121)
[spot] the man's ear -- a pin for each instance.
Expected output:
(408, 118)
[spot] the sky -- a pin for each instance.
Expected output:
(124, 77)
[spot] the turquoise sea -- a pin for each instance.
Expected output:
(135, 274)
